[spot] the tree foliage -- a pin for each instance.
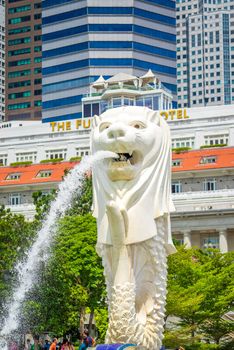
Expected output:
(200, 293)
(200, 283)
(72, 280)
(15, 237)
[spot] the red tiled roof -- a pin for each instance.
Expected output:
(29, 173)
(192, 160)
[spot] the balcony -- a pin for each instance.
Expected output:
(28, 210)
(204, 200)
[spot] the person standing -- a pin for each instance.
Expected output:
(46, 345)
(36, 345)
(82, 346)
(28, 344)
(53, 344)
(65, 345)
(70, 346)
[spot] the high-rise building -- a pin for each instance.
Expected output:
(23, 60)
(205, 63)
(85, 39)
(2, 60)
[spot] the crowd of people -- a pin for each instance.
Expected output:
(86, 341)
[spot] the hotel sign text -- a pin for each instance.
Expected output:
(85, 123)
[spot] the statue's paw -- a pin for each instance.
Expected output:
(116, 222)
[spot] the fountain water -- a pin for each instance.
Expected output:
(26, 270)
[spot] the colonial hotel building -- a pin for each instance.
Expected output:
(34, 156)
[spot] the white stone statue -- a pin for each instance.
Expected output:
(132, 205)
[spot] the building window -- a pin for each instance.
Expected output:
(193, 40)
(176, 162)
(44, 173)
(37, 59)
(20, 73)
(19, 84)
(176, 187)
(13, 176)
(19, 52)
(37, 5)
(56, 154)
(37, 37)
(38, 103)
(19, 106)
(19, 9)
(15, 199)
(209, 185)
(183, 142)
(37, 27)
(210, 241)
(82, 151)
(19, 62)
(211, 38)
(37, 16)
(37, 70)
(208, 160)
(19, 41)
(19, 95)
(3, 159)
(37, 49)
(216, 140)
(37, 92)
(26, 156)
(128, 101)
(19, 30)
(19, 19)
(91, 109)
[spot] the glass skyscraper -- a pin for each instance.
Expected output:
(205, 60)
(83, 39)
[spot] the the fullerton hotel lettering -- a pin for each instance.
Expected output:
(85, 123)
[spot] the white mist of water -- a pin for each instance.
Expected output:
(72, 185)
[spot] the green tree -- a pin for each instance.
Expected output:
(42, 205)
(200, 292)
(82, 204)
(16, 235)
(72, 281)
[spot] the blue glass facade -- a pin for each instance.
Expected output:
(81, 42)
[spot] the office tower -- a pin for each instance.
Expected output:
(2, 60)
(205, 63)
(85, 39)
(23, 59)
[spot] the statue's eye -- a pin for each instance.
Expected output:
(104, 126)
(138, 125)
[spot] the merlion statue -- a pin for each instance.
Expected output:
(132, 205)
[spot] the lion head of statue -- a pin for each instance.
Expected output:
(139, 179)
(134, 134)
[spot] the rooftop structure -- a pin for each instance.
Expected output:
(125, 89)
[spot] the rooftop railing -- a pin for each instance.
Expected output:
(128, 87)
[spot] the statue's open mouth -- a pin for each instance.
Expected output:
(125, 166)
(131, 158)
(124, 157)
